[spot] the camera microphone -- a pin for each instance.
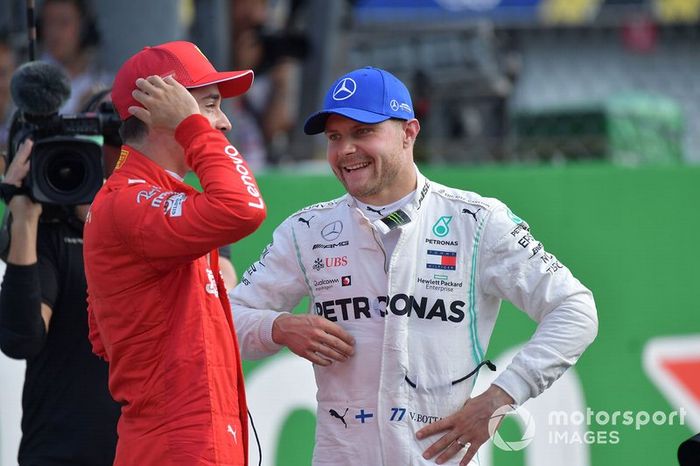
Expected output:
(66, 160)
(39, 88)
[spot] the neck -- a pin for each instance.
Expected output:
(164, 150)
(405, 182)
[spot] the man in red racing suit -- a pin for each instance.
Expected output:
(158, 310)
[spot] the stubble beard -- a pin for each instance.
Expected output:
(378, 182)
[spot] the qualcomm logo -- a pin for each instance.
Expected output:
(525, 419)
(344, 89)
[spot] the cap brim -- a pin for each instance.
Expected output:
(316, 123)
(231, 83)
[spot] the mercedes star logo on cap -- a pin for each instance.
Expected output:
(344, 89)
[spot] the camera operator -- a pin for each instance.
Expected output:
(68, 416)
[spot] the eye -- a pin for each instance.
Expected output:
(333, 137)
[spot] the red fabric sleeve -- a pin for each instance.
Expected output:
(183, 224)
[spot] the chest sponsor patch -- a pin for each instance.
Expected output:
(442, 260)
(171, 202)
(364, 307)
(325, 284)
(396, 219)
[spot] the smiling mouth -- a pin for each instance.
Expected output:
(355, 166)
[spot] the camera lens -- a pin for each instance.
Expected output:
(65, 172)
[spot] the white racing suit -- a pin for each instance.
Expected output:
(421, 318)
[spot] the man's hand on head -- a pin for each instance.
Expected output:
(166, 102)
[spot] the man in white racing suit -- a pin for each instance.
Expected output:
(405, 278)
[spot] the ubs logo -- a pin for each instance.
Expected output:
(344, 89)
(331, 231)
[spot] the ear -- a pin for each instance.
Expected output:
(411, 132)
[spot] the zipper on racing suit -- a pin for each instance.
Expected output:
(381, 246)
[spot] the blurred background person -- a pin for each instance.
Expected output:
(265, 41)
(68, 415)
(69, 37)
(7, 67)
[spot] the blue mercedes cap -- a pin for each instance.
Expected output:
(368, 95)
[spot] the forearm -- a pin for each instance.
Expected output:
(22, 328)
(254, 331)
(560, 339)
(23, 235)
(230, 193)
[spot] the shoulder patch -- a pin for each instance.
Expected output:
(320, 206)
(466, 197)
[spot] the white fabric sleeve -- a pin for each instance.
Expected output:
(514, 266)
(272, 285)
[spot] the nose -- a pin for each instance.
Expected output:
(223, 123)
(346, 147)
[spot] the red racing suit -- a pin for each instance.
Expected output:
(158, 310)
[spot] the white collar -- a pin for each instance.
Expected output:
(174, 175)
(373, 212)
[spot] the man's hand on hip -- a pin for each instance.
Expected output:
(467, 428)
(313, 337)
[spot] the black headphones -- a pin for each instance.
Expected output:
(89, 32)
